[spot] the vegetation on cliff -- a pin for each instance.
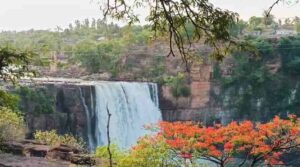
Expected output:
(258, 88)
(35, 100)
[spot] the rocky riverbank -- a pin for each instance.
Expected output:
(33, 154)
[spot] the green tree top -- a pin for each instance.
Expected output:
(14, 64)
(173, 18)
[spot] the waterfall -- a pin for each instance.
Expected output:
(131, 105)
(88, 112)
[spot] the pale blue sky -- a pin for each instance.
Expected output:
(47, 14)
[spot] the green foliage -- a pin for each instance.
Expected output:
(103, 56)
(178, 85)
(35, 100)
(102, 153)
(154, 70)
(177, 21)
(136, 35)
(289, 50)
(256, 91)
(255, 22)
(14, 64)
(9, 100)
(149, 152)
(237, 28)
(12, 126)
(53, 139)
(297, 26)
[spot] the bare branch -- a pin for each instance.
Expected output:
(268, 12)
(108, 137)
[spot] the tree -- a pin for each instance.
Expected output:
(254, 22)
(280, 22)
(99, 57)
(14, 64)
(93, 24)
(86, 23)
(100, 24)
(252, 143)
(237, 28)
(170, 18)
(296, 20)
(268, 19)
(287, 21)
(71, 27)
(12, 126)
(77, 24)
(298, 27)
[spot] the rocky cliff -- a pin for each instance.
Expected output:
(70, 100)
(69, 113)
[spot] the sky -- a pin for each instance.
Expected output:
(48, 14)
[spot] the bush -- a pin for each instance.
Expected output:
(12, 125)
(149, 151)
(9, 100)
(102, 153)
(53, 139)
(36, 100)
(178, 85)
(181, 91)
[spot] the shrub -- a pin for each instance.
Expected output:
(181, 91)
(149, 151)
(53, 139)
(12, 125)
(39, 100)
(9, 100)
(178, 85)
(102, 153)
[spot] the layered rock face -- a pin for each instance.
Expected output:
(69, 113)
(199, 106)
(81, 108)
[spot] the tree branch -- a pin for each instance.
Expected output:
(108, 137)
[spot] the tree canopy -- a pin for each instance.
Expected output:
(14, 64)
(171, 18)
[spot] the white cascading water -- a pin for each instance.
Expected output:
(131, 105)
(89, 114)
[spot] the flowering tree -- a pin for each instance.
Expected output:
(253, 143)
